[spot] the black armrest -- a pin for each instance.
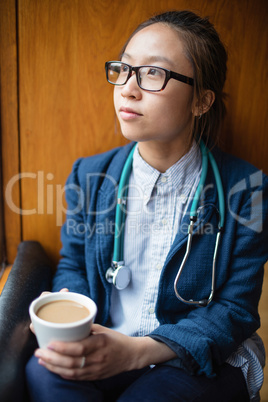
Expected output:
(30, 275)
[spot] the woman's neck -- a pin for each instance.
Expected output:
(162, 156)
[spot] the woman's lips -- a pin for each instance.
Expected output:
(128, 114)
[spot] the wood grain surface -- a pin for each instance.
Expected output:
(9, 121)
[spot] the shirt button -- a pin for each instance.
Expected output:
(159, 266)
(183, 198)
(164, 221)
(151, 310)
(163, 179)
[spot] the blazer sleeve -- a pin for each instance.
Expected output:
(205, 337)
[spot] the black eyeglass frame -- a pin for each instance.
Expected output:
(169, 74)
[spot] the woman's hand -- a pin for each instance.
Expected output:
(103, 354)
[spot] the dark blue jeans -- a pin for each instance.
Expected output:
(159, 384)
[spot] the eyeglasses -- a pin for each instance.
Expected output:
(149, 78)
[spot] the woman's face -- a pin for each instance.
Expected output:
(157, 117)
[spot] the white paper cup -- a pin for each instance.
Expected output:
(47, 331)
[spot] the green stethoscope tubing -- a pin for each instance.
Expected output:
(206, 154)
(120, 216)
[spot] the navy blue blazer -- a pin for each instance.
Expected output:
(205, 336)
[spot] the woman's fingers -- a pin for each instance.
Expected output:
(68, 367)
(44, 293)
(32, 328)
(47, 292)
(76, 349)
(102, 354)
(52, 358)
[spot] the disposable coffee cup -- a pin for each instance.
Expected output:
(47, 331)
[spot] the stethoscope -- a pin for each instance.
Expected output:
(119, 274)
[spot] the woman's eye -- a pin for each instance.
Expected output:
(156, 73)
(153, 71)
(124, 69)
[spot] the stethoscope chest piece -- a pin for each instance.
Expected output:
(118, 275)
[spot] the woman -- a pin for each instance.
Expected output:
(148, 344)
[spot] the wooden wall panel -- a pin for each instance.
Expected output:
(247, 84)
(65, 103)
(9, 124)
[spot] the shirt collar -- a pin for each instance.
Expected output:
(185, 171)
(144, 175)
(181, 175)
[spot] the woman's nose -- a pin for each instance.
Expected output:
(131, 88)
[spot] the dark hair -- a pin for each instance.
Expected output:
(208, 56)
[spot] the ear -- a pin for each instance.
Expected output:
(204, 104)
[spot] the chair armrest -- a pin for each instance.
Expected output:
(30, 275)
